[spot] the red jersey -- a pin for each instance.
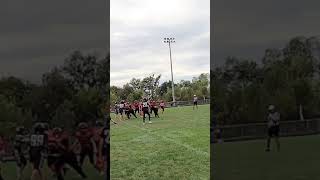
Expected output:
(96, 134)
(84, 137)
(153, 104)
(136, 105)
(53, 146)
(58, 143)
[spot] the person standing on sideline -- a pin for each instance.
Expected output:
(273, 127)
(195, 101)
(162, 105)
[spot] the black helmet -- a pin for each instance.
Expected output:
(20, 130)
(83, 125)
(57, 130)
(39, 128)
(99, 123)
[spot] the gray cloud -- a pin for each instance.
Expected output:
(246, 28)
(137, 32)
(38, 35)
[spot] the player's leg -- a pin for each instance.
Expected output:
(122, 118)
(277, 130)
(127, 114)
(269, 138)
(21, 164)
(92, 158)
(134, 114)
(36, 172)
(2, 152)
(1, 169)
(1, 173)
(83, 155)
(59, 166)
(155, 113)
(71, 159)
(149, 116)
(51, 164)
(144, 115)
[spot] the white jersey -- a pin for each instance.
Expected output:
(273, 119)
(195, 99)
(121, 106)
(145, 104)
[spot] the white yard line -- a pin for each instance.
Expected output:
(190, 148)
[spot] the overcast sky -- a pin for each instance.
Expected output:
(246, 28)
(36, 35)
(137, 31)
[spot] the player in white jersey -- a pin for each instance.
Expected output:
(145, 110)
(273, 127)
(21, 148)
(38, 147)
(195, 101)
(121, 109)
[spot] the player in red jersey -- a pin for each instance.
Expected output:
(103, 144)
(130, 111)
(151, 105)
(155, 108)
(141, 108)
(162, 105)
(55, 162)
(97, 130)
(136, 106)
(60, 153)
(84, 137)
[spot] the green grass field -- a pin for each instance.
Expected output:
(9, 172)
(176, 146)
(298, 159)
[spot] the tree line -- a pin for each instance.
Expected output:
(73, 92)
(150, 87)
(288, 78)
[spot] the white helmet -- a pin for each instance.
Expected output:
(194, 95)
(271, 107)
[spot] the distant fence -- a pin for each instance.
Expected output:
(259, 130)
(188, 103)
(179, 103)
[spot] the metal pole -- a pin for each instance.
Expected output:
(172, 83)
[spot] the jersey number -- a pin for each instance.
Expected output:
(37, 140)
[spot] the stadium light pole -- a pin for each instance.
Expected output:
(169, 41)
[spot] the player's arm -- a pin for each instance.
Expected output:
(74, 144)
(45, 146)
(60, 145)
(100, 148)
(93, 143)
(94, 150)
